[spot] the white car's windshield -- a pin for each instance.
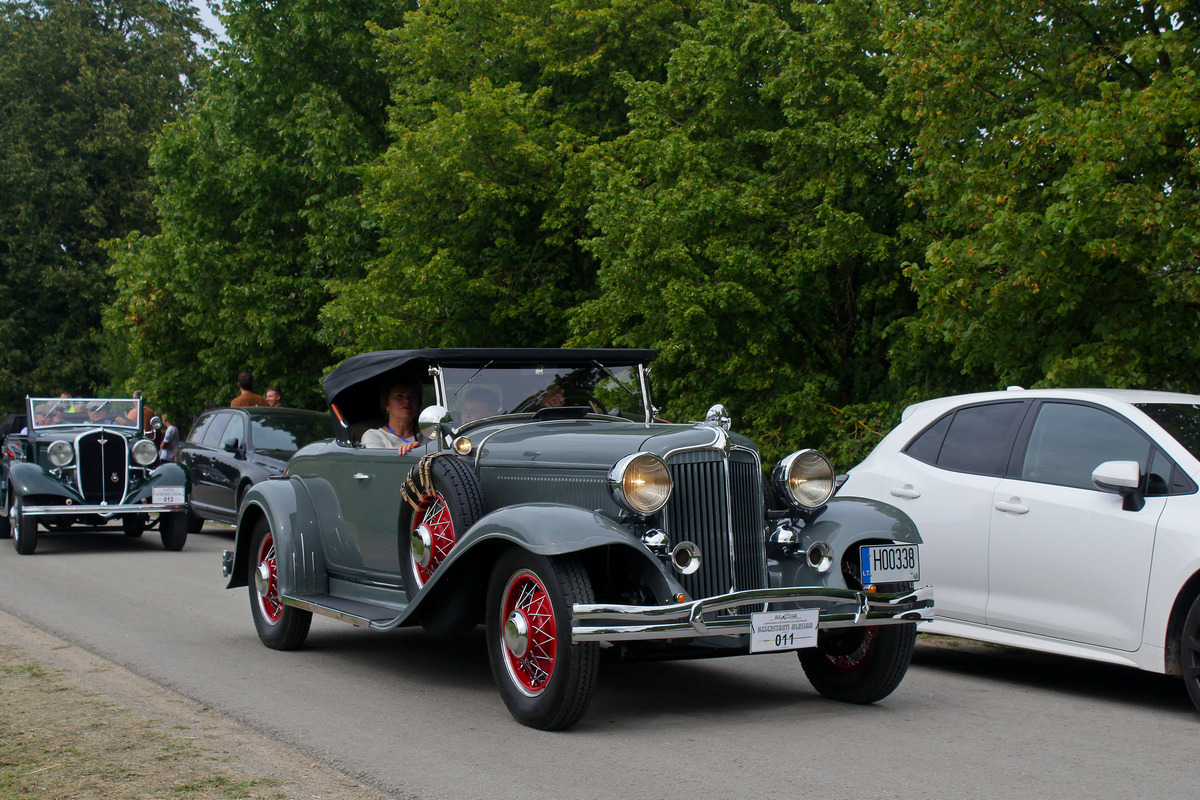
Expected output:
(49, 412)
(474, 393)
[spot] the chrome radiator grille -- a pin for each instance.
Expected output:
(717, 503)
(102, 466)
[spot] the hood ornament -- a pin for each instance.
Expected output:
(718, 417)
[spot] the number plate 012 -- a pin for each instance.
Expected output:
(890, 563)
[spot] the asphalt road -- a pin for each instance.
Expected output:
(420, 718)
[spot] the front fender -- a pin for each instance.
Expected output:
(548, 529)
(32, 479)
(288, 506)
(164, 475)
(844, 522)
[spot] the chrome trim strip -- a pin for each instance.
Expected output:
(337, 576)
(686, 620)
(79, 508)
(326, 611)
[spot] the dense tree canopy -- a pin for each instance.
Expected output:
(815, 210)
(1057, 156)
(85, 86)
(258, 207)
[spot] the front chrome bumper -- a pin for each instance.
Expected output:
(846, 608)
(106, 511)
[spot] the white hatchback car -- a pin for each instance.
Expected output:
(1061, 520)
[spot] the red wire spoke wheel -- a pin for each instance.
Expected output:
(432, 535)
(279, 626)
(544, 678)
(266, 582)
(530, 634)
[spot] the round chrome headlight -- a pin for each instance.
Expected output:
(640, 483)
(144, 452)
(60, 453)
(804, 479)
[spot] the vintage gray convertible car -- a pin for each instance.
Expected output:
(86, 461)
(551, 505)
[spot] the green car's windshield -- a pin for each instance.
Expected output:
(50, 412)
(1181, 420)
(476, 393)
(280, 436)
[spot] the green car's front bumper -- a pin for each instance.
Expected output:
(839, 608)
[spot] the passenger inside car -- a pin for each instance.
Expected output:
(400, 402)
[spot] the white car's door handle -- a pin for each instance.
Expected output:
(1013, 507)
(905, 491)
(360, 476)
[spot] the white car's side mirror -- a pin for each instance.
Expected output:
(1113, 476)
(1123, 478)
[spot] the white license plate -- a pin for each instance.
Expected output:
(167, 494)
(783, 630)
(889, 563)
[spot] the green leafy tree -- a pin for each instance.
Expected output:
(85, 86)
(1057, 156)
(481, 199)
(748, 224)
(258, 207)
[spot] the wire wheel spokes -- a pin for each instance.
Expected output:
(266, 582)
(531, 634)
(433, 525)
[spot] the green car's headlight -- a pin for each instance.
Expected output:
(804, 480)
(144, 452)
(640, 483)
(60, 453)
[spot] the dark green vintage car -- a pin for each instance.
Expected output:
(548, 503)
(85, 462)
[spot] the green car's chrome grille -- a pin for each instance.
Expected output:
(717, 503)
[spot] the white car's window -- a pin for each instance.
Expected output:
(978, 439)
(1181, 420)
(1068, 441)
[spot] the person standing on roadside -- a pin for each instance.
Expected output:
(170, 441)
(274, 397)
(247, 397)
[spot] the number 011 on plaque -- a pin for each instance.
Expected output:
(783, 630)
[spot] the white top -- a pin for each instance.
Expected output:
(382, 437)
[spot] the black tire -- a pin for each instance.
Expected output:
(134, 525)
(859, 665)
(194, 524)
(545, 679)
(173, 530)
(1189, 653)
(279, 627)
(451, 501)
(24, 530)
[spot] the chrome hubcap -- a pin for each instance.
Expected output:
(516, 634)
(262, 579)
(422, 545)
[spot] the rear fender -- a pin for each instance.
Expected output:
(288, 506)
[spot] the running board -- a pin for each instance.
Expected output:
(358, 614)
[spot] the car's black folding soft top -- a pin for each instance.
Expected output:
(358, 380)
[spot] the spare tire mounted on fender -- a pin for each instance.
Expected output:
(442, 499)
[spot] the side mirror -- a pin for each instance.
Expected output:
(231, 445)
(429, 424)
(1123, 478)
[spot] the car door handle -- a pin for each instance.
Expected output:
(361, 476)
(1013, 507)
(905, 491)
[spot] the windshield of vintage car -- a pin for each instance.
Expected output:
(1181, 420)
(475, 393)
(50, 412)
(280, 436)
